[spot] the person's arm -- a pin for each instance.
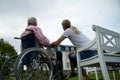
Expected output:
(57, 42)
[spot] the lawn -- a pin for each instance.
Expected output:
(92, 76)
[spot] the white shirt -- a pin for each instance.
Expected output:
(78, 40)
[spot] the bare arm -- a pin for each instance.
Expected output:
(57, 42)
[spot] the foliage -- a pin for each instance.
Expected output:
(6, 48)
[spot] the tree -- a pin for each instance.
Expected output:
(6, 51)
(6, 48)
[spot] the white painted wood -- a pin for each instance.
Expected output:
(105, 40)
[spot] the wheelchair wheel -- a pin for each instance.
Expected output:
(40, 68)
(7, 69)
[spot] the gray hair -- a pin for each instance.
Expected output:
(31, 20)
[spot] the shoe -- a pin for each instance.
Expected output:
(73, 75)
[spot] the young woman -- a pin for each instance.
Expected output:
(79, 40)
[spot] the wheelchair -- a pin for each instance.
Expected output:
(36, 63)
(7, 69)
(41, 66)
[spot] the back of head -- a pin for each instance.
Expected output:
(32, 21)
(66, 23)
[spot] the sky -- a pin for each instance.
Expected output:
(50, 13)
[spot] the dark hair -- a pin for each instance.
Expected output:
(66, 23)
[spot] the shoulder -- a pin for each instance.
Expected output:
(68, 30)
(35, 27)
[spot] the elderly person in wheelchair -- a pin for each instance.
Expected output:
(34, 37)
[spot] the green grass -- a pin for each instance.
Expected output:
(92, 76)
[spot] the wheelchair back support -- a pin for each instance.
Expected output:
(28, 41)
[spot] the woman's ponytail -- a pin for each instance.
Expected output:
(75, 29)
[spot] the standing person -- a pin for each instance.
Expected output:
(32, 36)
(79, 40)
